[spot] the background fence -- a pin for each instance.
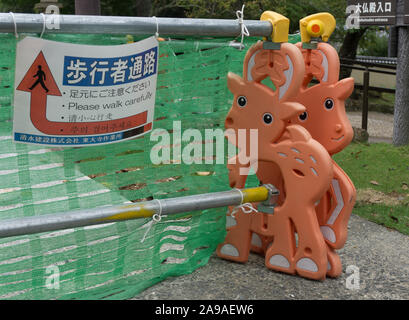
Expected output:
(374, 65)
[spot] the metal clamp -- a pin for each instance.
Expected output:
(268, 205)
(268, 45)
(312, 45)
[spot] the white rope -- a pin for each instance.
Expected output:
(42, 32)
(157, 28)
(247, 208)
(157, 217)
(241, 194)
(244, 30)
(15, 24)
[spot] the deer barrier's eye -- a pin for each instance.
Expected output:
(329, 104)
(242, 101)
(268, 118)
(303, 116)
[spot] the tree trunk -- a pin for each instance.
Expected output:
(88, 7)
(401, 113)
(143, 8)
(349, 48)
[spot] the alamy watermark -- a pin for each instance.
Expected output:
(353, 280)
(52, 281)
(52, 17)
(204, 149)
(352, 20)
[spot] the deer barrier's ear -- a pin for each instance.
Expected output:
(293, 74)
(344, 88)
(235, 83)
(330, 63)
(250, 72)
(322, 63)
(285, 68)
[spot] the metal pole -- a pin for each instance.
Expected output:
(33, 23)
(365, 105)
(80, 218)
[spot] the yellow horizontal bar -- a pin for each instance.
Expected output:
(140, 211)
(135, 213)
(255, 194)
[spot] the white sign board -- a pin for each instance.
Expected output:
(80, 95)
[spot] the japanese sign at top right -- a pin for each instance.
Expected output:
(375, 13)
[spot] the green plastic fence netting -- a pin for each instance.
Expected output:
(109, 261)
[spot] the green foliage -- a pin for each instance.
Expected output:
(374, 43)
(118, 8)
(108, 7)
(25, 6)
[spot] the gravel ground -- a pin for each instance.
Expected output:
(380, 125)
(379, 256)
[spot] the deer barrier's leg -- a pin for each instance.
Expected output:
(334, 267)
(335, 228)
(260, 243)
(236, 246)
(311, 256)
(280, 251)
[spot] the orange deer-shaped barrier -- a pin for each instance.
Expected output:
(326, 120)
(305, 167)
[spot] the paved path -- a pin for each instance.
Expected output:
(381, 254)
(380, 125)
